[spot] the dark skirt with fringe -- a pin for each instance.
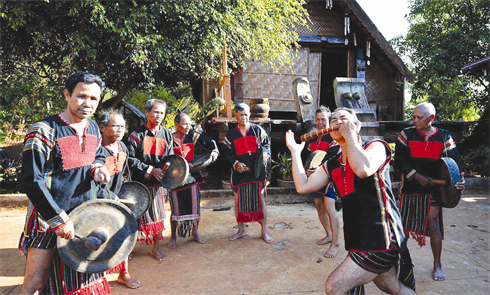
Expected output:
(414, 211)
(250, 202)
(186, 209)
(152, 222)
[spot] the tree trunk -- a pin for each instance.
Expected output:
(116, 100)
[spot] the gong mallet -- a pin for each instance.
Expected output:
(316, 133)
(95, 239)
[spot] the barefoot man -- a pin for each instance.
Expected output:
(112, 127)
(185, 200)
(148, 146)
(417, 155)
(372, 225)
(325, 200)
(241, 146)
(61, 159)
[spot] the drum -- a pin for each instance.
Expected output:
(96, 216)
(449, 172)
(315, 159)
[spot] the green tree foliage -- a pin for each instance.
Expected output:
(26, 98)
(444, 36)
(133, 44)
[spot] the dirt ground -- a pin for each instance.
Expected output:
(293, 264)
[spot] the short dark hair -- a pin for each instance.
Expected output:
(151, 102)
(105, 116)
(83, 77)
(324, 109)
(178, 117)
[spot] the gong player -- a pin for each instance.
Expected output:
(185, 200)
(148, 146)
(417, 155)
(62, 159)
(112, 127)
(241, 152)
(325, 200)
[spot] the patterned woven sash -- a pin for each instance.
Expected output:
(414, 210)
(186, 210)
(249, 202)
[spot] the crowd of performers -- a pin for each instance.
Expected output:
(69, 159)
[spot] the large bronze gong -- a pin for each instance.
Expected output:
(138, 194)
(99, 215)
(200, 162)
(176, 171)
(262, 163)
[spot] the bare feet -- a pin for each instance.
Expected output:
(332, 251)
(266, 238)
(198, 238)
(172, 244)
(438, 274)
(126, 279)
(238, 235)
(158, 255)
(325, 240)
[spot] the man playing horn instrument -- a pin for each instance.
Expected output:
(325, 199)
(241, 150)
(185, 200)
(148, 146)
(62, 159)
(417, 155)
(372, 226)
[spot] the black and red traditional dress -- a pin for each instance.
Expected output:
(373, 229)
(185, 200)
(57, 176)
(415, 152)
(243, 147)
(147, 152)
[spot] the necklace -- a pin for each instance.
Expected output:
(344, 167)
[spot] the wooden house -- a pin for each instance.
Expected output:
(340, 41)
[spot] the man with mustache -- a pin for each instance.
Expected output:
(62, 159)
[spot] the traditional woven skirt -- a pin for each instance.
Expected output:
(63, 279)
(186, 209)
(250, 202)
(414, 211)
(152, 222)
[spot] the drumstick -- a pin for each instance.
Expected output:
(165, 167)
(443, 182)
(316, 133)
(127, 201)
(92, 243)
